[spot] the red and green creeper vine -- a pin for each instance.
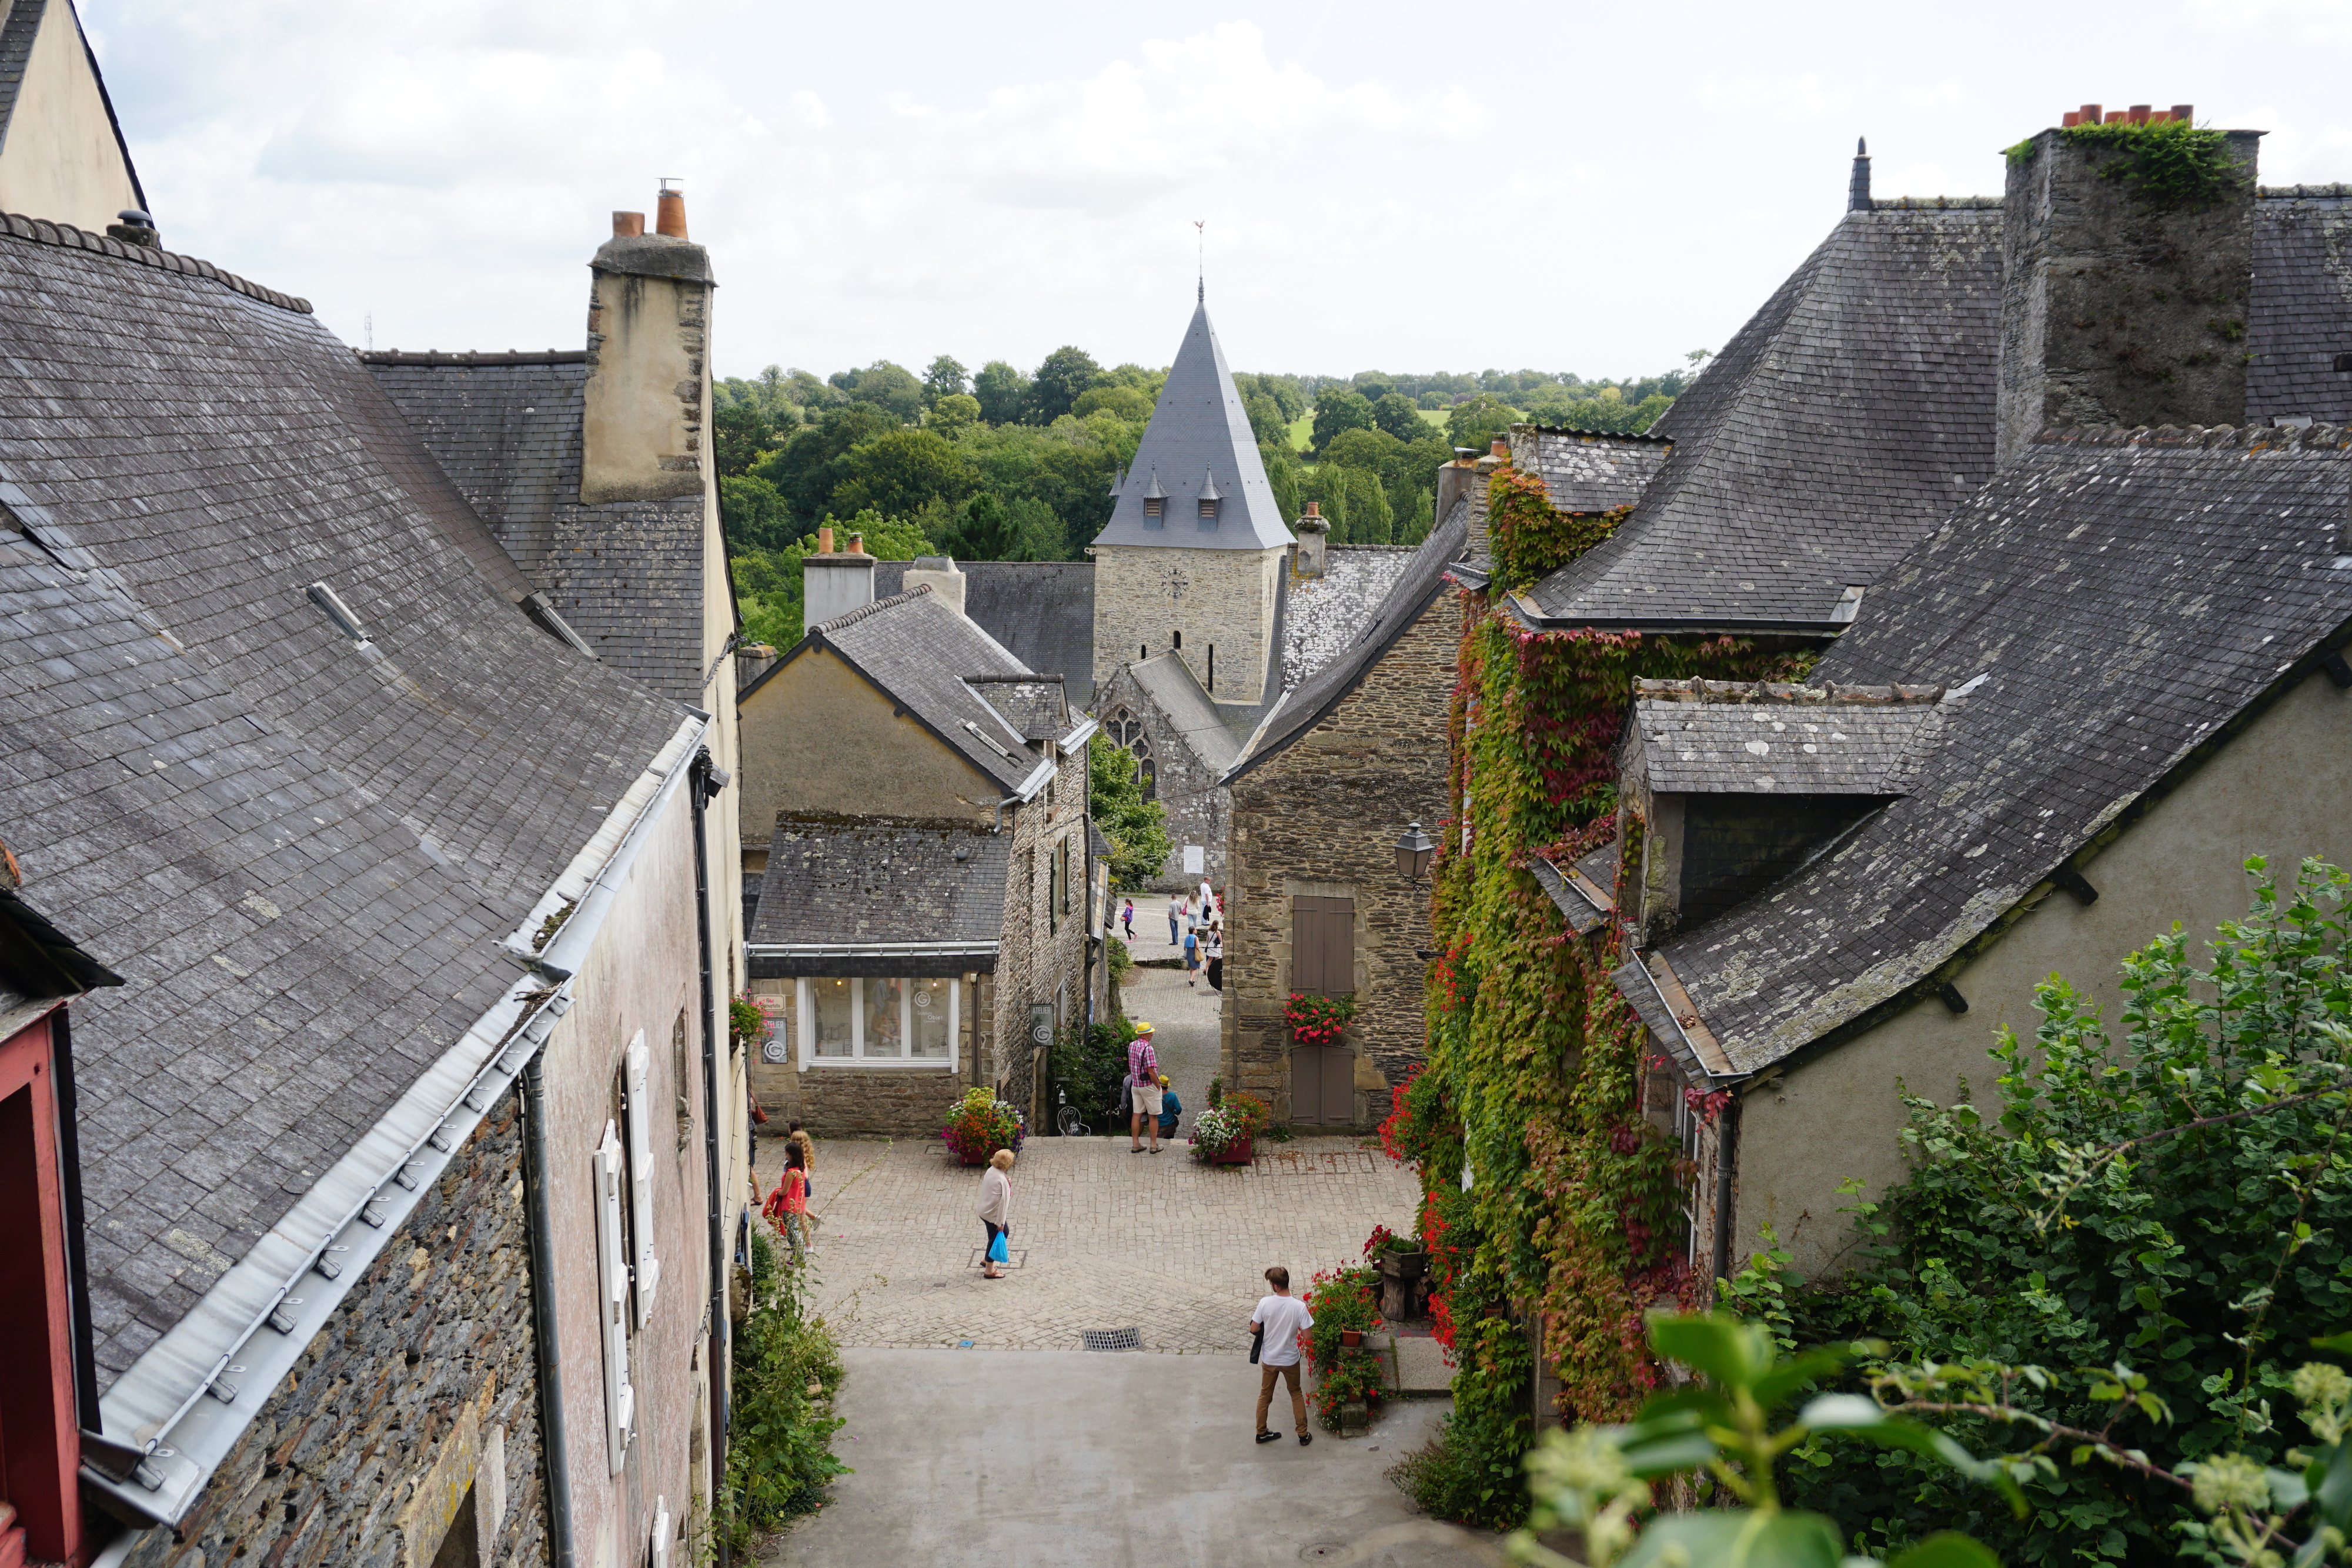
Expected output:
(1535, 1062)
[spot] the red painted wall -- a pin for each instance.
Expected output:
(40, 1449)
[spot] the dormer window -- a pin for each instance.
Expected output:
(1151, 506)
(1155, 499)
(1209, 497)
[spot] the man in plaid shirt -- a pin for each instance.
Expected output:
(1143, 1090)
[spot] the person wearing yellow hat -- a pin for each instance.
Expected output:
(1144, 1090)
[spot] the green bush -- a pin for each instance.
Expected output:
(780, 1440)
(2181, 1206)
(1093, 1063)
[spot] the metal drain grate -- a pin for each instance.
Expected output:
(1111, 1338)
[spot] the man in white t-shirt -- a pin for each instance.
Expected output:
(1281, 1318)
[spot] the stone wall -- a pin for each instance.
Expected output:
(1223, 599)
(1321, 818)
(890, 1102)
(1186, 788)
(1042, 954)
(418, 1400)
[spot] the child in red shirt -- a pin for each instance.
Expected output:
(787, 1206)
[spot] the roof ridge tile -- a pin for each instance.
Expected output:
(867, 611)
(72, 238)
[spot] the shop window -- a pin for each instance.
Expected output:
(878, 1020)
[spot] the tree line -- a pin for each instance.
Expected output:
(1003, 465)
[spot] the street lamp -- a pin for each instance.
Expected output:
(1414, 851)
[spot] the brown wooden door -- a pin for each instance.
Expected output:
(1322, 946)
(1322, 1085)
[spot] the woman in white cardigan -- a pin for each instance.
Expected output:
(996, 1206)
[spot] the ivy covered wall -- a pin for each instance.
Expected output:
(1570, 1206)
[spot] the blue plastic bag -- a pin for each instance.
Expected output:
(996, 1253)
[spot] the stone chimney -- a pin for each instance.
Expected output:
(942, 575)
(1314, 531)
(1857, 185)
(2118, 310)
(645, 423)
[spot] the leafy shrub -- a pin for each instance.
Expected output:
(2180, 1206)
(981, 1124)
(1093, 1061)
(779, 1441)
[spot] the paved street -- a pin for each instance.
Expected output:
(1101, 1239)
(1065, 1459)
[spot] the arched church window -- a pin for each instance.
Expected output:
(1126, 732)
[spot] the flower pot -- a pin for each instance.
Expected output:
(1236, 1152)
(1350, 1338)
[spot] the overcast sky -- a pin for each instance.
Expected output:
(1582, 188)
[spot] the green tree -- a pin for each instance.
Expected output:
(808, 466)
(1434, 400)
(987, 531)
(1266, 423)
(1130, 403)
(897, 472)
(1362, 448)
(955, 411)
(1396, 415)
(944, 379)
(1002, 391)
(1137, 828)
(741, 434)
(1284, 474)
(751, 514)
(885, 386)
(1067, 371)
(1477, 422)
(1337, 411)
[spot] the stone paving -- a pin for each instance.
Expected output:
(1101, 1239)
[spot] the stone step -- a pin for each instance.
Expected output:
(1421, 1370)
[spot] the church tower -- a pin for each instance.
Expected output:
(1192, 559)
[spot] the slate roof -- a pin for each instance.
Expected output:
(880, 881)
(1202, 723)
(1586, 470)
(1042, 612)
(1423, 578)
(1031, 705)
(1849, 413)
(2127, 597)
(505, 428)
(300, 853)
(1329, 612)
(1744, 737)
(1198, 435)
(925, 655)
(2300, 316)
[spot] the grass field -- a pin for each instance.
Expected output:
(1302, 429)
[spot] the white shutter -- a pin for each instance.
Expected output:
(662, 1532)
(641, 1175)
(613, 1271)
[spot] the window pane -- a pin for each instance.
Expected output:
(779, 1006)
(834, 998)
(930, 999)
(883, 1025)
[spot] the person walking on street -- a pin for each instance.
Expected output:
(1216, 955)
(1175, 918)
(1127, 918)
(787, 1206)
(1208, 902)
(1191, 955)
(1280, 1319)
(1143, 1090)
(795, 1138)
(995, 1209)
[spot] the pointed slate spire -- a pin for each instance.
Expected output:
(1858, 189)
(1200, 428)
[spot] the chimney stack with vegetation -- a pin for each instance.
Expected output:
(1314, 531)
(644, 419)
(2127, 262)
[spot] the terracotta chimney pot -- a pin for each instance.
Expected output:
(2091, 115)
(2071, 119)
(2184, 112)
(857, 544)
(1314, 508)
(669, 210)
(2136, 114)
(824, 540)
(629, 225)
(1502, 447)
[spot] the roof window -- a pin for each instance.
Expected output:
(328, 600)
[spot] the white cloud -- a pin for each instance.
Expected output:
(1796, 97)
(811, 110)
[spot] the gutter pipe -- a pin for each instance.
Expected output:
(1726, 1134)
(705, 783)
(555, 1454)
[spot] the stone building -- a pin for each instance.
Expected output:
(1314, 902)
(62, 155)
(1849, 477)
(410, 1150)
(922, 922)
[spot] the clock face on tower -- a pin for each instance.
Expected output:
(1175, 582)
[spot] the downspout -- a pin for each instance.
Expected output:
(555, 1455)
(85, 1342)
(1726, 1134)
(706, 781)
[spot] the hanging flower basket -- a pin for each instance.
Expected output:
(1318, 1020)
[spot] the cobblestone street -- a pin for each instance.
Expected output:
(1101, 1239)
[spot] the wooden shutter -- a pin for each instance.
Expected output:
(1306, 1084)
(613, 1268)
(648, 1266)
(1322, 946)
(1338, 1102)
